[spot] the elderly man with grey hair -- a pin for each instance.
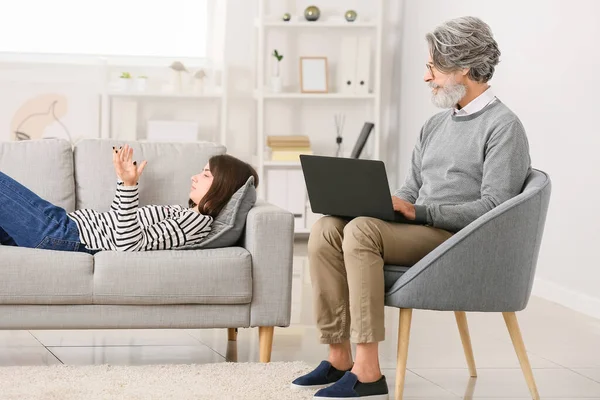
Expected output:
(468, 160)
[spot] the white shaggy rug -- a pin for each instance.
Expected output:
(206, 381)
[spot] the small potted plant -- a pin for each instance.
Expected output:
(140, 83)
(276, 78)
(125, 81)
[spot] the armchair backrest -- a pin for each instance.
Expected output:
(487, 266)
(537, 187)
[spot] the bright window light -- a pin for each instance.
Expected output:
(148, 28)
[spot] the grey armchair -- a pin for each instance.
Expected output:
(487, 266)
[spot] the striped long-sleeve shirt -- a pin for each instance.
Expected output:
(126, 227)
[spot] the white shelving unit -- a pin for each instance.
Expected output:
(267, 23)
(108, 96)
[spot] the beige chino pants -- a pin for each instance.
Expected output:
(346, 268)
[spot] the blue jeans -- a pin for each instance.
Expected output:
(26, 220)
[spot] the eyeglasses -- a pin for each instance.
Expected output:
(430, 68)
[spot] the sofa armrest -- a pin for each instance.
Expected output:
(269, 237)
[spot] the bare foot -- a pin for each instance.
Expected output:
(342, 363)
(366, 375)
(340, 356)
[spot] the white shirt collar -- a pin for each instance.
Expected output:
(477, 104)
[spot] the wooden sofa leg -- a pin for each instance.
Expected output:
(463, 328)
(265, 340)
(515, 334)
(403, 337)
(232, 334)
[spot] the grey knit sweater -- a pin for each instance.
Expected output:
(463, 166)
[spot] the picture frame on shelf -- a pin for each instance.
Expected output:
(314, 75)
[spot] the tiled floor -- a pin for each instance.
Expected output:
(564, 348)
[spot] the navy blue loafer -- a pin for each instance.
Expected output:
(349, 387)
(322, 376)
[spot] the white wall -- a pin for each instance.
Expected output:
(239, 50)
(20, 82)
(81, 79)
(239, 57)
(547, 75)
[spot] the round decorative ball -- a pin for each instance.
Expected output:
(350, 15)
(312, 13)
(287, 17)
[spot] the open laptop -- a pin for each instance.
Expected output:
(349, 188)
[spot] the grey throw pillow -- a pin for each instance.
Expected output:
(229, 225)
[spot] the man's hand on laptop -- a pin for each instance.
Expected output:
(407, 209)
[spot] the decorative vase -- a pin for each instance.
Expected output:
(124, 84)
(197, 81)
(197, 86)
(177, 71)
(177, 81)
(312, 13)
(140, 84)
(350, 15)
(276, 85)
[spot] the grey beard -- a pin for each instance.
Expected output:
(449, 95)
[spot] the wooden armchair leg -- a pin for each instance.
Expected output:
(232, 334)
(515, 334)
(265, 340)
(403, 337)
(463, 328)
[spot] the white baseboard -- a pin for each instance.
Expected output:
(572, 299)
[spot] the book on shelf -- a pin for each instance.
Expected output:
(291, 149)
(289, 155)
(288, 141)
(288, 148)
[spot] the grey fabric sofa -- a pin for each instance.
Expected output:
(245, 285)
(488, 266)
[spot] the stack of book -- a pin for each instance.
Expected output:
(288, 148)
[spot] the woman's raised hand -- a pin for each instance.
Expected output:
(127, 169)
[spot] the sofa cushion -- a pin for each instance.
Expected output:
(166, 179)
(216, 276)
(34, 276)
(229, 225)
(44, 166)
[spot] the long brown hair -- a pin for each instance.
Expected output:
(229, 174)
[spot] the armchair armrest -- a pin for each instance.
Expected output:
(487, 266)
(269, 237)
